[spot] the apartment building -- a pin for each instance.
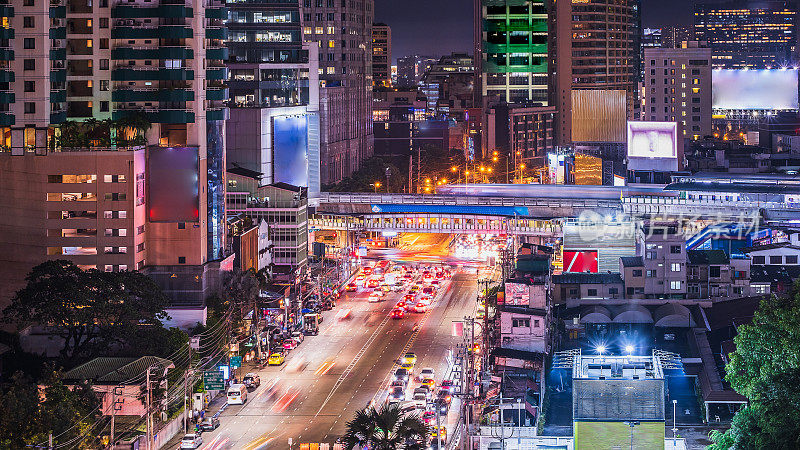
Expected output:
(714, 274)
(381, 55)
(677, 88)
(114, 140)
(342, 30)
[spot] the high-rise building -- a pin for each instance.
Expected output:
(411, 69)
(448, 86)
(381, 55)
(596, 46)
(343, 33)
(274, 91)
(511, 38)
(752, 34)
(677, 88)
(113, 149)
(672, 37)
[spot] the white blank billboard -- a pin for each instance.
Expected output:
(768, 89)
(653, 146)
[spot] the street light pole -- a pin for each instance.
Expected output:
(674, 423)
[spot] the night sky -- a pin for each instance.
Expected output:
(439, 27)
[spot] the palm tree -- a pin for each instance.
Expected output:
(387, 428)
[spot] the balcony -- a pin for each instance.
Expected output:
(128, 53)
(6, 11)
(217, 114)
(6, 33)
(153, 95)
(492, 67)
(220, 73)
(58, 117)
(58, 12)
(217, 33)
(217, 13)
(217, 53)
(58, 53)
(515, 25)
(7, 97)
(56, 76)
(58, 33)
(516, 48)
(7, 120)
(6, 54)
(217, 94)
(161, 32)
(158, 115)
(151, 74)
(166, 11)
(58, 96)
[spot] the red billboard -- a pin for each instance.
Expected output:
(584, 261)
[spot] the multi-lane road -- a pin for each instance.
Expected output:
(332, 375)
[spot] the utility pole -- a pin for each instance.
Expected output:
(113, 413)
(186, 391)
(149, 431)
(410, 171)
(50, 441)
(256, 329)
(419, 168)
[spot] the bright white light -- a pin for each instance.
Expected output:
(601, 349)
(629, 349)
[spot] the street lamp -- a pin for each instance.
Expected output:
(376, 185)
(674, 423)
(601, 349)
(629, 349)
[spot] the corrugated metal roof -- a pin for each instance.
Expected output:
(114, 370)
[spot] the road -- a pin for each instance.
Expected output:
(331, 376)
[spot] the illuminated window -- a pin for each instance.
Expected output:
(331, 70)
(306, 30)
(695, 90)
(318, 30)
(331, 43)
(331, 30)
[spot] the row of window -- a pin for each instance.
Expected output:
(524, 323)
(775, 260)
(76, 179)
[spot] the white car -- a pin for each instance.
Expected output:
(427, 372)
(192, 441)
(375, 297)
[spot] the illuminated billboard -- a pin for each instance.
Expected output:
(556, 169)
(599, 115)
(653, 146)
(173, 184)
(290, 150)
(588, 170)
(768, 89)
(584, 261)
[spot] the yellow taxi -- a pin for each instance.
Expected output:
(429, 382)
(408, 366)
(409, 358)
(276, 359)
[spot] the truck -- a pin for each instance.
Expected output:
(390, 278)
(311, 324)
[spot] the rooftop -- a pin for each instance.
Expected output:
(707, 257)
(597, 367)
(632, 261)
(587, 278)
(116, 370)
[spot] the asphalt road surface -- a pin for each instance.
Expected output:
(330, 376)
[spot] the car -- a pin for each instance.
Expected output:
(251, 380)
(434, 282)
(209, 424)
(429, 417)
(397, 394)
(397, 314)
(401, 374)
(408, 366)
(423, 390)
(374, 297)
(373, 283)
(408, 298)
(419, 399)
(441, 406)
(298, 336)
(430, 382)
(397, 383)
(428, 290)
(426, 372)
(401, 305)
(449, 386)
(397, 287)
(289, 344)
(351, 287)
(439, 275)
(444, 396)
(409, 358)
(191, 440)
(420, 307)
(367, 270)
(276, 359)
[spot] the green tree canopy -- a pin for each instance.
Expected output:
(766, 369)
(90, 310)
(387, 428)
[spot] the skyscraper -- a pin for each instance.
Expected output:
(274, 95)
(596, 48)
(381, 55)
(114, 139)
(672, 37)
(752, 34)
(411, 69)
(343, 32)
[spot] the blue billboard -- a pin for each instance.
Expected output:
(290, 150)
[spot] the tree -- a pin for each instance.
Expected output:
(766, 369)
(90, 310)
(386, 429)
(239, 291)
(30, 414)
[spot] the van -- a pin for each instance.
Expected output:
(237, 394)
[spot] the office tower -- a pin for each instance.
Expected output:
(381, 55)
(402, 126)
(596, 48)
(755, 35)
(677, 88)
(512, 42)
(114, 139)
(274, 91)
(448, 86)
(343, 33)
(410, 69)
(672, 37)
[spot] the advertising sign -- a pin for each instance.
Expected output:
(740, 89)
(173, 184)
(290, 150)
(580, 261)
(653, 146)
(517, 294)
(236, 362)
